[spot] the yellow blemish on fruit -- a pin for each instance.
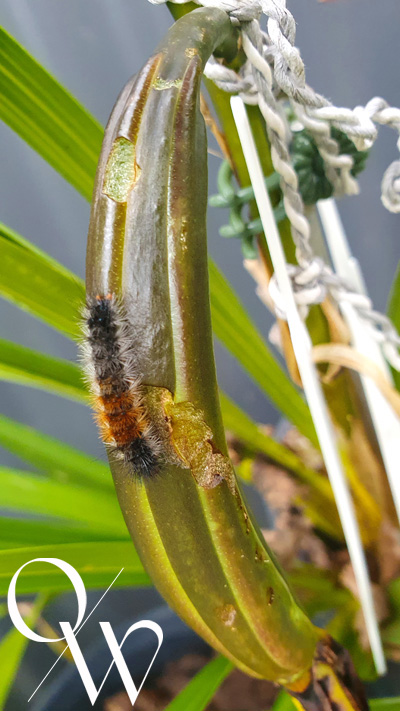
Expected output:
(192, 439)
(161, 84)
(122, 172)
(228, 615)
(191, 52)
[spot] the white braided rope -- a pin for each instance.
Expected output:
(275, 64)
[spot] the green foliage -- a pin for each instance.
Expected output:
(16, 532)
(200, 690)
(385, 704)
(97, 563)
(34, 494)
(27, 367)
(393, 311)
(284, 703)
(12, 649)
(47, 117)
(52, 456)
(52, 292)
(391, 634)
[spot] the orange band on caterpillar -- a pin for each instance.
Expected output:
(120, 412)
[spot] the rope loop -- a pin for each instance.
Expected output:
(391, 187)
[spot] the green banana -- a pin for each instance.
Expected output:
(147, 285)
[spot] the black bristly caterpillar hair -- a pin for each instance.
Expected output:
(115, 386)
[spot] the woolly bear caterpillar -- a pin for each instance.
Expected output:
(120, 411)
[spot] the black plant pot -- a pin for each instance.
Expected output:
(67, 691)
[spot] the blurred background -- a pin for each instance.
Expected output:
(92, 47)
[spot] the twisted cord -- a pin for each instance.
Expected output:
(273, 62)
(279, 137)
(337, 166)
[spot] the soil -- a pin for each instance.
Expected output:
(238, 692)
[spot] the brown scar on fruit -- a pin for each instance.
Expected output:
(242, 509)
(259, 555)
(192, 440)
(228, 614)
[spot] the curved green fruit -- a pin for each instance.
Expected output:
(147, 246)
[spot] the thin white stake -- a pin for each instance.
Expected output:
(312, 388)
(385, 421)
